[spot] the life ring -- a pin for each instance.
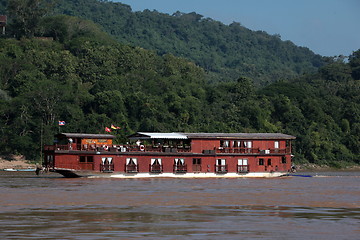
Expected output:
(106, 147)
(142, 148)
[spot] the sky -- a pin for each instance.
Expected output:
(327, 27)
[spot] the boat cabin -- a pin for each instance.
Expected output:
(78, 141)
(172, 153)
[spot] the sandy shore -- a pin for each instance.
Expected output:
(322, 168)
(16, 162)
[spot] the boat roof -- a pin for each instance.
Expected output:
(154, 135)
(241, 135)
(84, 135)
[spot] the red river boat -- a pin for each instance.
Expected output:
(187, 155)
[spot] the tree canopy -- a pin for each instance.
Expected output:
(79, 74)
(225, 52)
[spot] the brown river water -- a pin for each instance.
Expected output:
(325, 206)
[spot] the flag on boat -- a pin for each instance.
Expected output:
(114, 127)
(61, 123)
(107, 129)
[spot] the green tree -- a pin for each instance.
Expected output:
(354, 61)
(26, 15)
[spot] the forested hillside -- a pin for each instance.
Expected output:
(83, 76)
(224, 51)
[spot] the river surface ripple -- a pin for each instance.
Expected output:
(325, 206)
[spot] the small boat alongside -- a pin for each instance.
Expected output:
(180, 155)
(9, 170)
(19, 170)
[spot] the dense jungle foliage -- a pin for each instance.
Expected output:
(85, 77)
(224, 51)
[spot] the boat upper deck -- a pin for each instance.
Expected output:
(205, 143)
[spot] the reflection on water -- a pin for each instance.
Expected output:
(49, 207)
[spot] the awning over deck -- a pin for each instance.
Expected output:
(153, 135)
(248, 136)
(84, 135)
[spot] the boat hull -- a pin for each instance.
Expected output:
(69, 173)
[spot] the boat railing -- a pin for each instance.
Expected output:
(180, 168)
(221, 168)
(252, 150)
(276, 151)
(107, 167)
(243, 168)
(117, 148)
(131, 168)
(157, 148)
(155, 168)
(62, 147)
(236, 150)
(168, 149)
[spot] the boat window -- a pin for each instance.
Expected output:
(82, 159)
(220, 161)
(248, 144)
(85, 159)
(269, 162)
(283, 159)
(242, 162)
(179, 161)
(131, 161)
(276, 144)
(196, 160)
(220, 166)
(238, 144)
(156, 161)
(261, 161)
(50, 158)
